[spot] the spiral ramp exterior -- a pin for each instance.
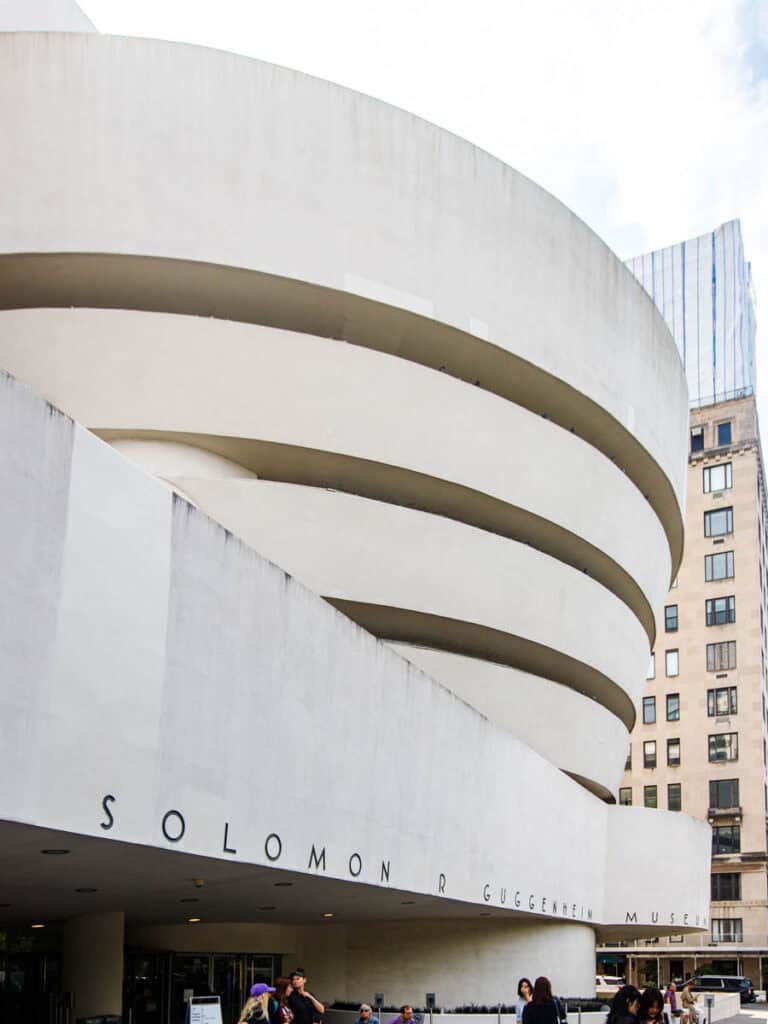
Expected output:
(379, 357)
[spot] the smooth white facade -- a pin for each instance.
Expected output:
(411, 379)
(156, 633)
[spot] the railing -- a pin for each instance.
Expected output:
(674, 945)
(724, 812)
(725, 396)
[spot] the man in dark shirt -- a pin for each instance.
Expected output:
(306, 1009)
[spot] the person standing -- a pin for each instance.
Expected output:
(542, 1008)
(524, 993)
(365, 1015)
(281, 1012)
(306, 1009)
(257, 1009)
(651, 1009)
(624, 1006)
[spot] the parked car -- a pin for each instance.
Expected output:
(725, 983)
(607, 984)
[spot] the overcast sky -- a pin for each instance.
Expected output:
(648, 118)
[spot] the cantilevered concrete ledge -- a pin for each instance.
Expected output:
(133, 282)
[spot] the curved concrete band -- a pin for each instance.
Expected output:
(220, 385)
(421, 565)
(468, 253)
(547, 716)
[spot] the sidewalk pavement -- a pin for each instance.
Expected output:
(751, 1013)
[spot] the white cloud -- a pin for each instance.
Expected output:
(648, 118)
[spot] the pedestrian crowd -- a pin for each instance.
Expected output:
(289, 1002)
(651, 1006)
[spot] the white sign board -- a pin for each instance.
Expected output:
(204, 1010)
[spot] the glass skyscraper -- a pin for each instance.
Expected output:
(703, 288)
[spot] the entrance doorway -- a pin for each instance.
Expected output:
(158, 985)
(676, 968)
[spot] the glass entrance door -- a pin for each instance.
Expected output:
(144, 988)
(228, 981)
(226, 975)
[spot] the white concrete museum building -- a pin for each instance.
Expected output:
(342, 476)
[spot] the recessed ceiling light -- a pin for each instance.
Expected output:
(86, 888)
(407, 903)
(265, 908)
(194, 920)
(328, 915)
(189, 899)
(283, 885)
(54, 852)
(37, 926)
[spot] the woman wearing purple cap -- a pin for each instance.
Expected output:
(257, 1009)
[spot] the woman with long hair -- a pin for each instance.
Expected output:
(624, 1006)
(257, 1008)
(651, 1009)
(542, 1008)
(524, 993)
(281, 1011)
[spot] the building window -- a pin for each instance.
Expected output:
(671, 663)
(649, 754)
(652, 667)
(673, 753)
(650, 798)
(673, 707)
(719, 566)
(724, 747)
(726, 839)
(722, 701)
(718, 478)
(721, 657)
(724, 433)
(726, 929)
(719, 611)
(674, 797)
(697, 439)
(628, 762)
(625, 796)
(649, 710)
(670, 618)
(718, 522)
(726, 886)
(723, 793)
